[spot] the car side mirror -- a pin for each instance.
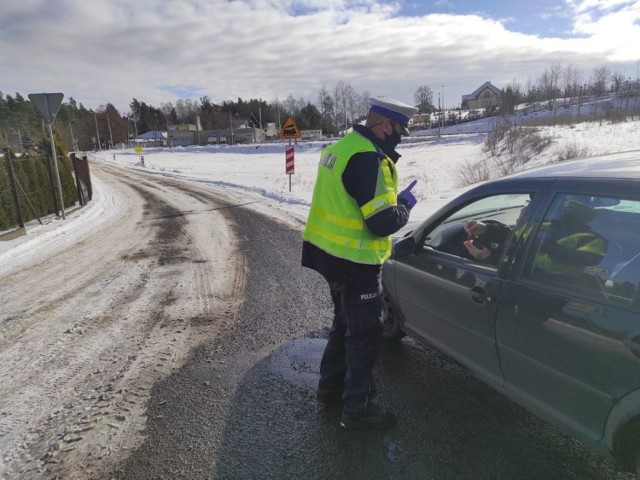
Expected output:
(404, 247)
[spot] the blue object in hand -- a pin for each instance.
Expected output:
(406, 197)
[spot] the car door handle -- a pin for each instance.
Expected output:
(479, 295)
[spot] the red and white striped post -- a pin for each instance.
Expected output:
(290, 163)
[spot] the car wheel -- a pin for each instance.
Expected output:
(391, 329)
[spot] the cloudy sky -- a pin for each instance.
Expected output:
(157, 51)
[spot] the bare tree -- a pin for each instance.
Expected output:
(291, 106)
(363, 104)
(617, 80)
(326, 107)
(548, 84)
(571, 79)
(516, 88)
(424, 99)
(351, 102)
(166, 108)
(339, 101)
(185, 110)
(322, 103)
(531, 95)
(279, 108)
(599, 78)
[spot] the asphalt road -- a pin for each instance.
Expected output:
(87, 328)
(243, 405)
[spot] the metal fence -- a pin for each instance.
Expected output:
(27, 189)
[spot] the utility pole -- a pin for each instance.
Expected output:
(440, 122)
(135, 125)
(95, 117)
(198, 127)
(231, 127)
(442, 118)
(73, 140)
(155, 134)
(110, 134)
(47, 105)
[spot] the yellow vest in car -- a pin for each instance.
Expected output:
(336, 222)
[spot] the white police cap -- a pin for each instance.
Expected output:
(394, 110)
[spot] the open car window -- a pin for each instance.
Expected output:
(503, 211)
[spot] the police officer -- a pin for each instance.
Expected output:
(354, 210)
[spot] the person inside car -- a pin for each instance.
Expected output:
(570, 244)
(569, 247)
(486, 239)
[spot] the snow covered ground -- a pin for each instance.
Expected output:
(255, 174)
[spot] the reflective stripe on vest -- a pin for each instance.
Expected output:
(336, 223)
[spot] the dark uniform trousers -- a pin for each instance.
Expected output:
(354, 341)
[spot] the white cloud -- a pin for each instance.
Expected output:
(114, 51)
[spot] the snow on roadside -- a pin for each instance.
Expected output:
(42, 241)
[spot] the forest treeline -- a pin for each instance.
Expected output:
(80, 128)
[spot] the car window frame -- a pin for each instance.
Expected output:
(619, 188)
(424, 230)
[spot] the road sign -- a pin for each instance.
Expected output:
(47, 104)
(290, 163)
(289, 129)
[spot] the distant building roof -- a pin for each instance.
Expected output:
(152, 135)
(477, 91)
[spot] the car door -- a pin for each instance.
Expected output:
(449, 299)
(568, 326)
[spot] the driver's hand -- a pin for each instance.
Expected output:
(479, 253)
(475, 228)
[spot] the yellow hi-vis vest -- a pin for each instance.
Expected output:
(336, 222)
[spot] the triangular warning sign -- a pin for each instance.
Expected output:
(289, 129)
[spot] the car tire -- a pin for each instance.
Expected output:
(391, 326)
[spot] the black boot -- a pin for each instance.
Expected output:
(373, 417)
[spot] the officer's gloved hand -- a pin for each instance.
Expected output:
(406, 198)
